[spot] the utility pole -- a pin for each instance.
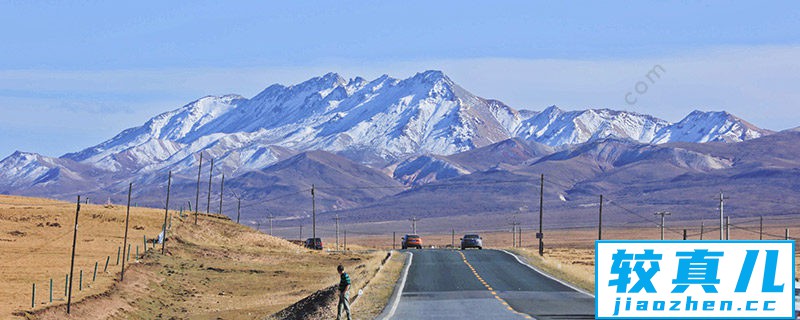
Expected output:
(514, 225)
(239, 206)
(166, 212)
(394, 239)
(210, 175)
(301, 232)
(540, 235)
(413, 224)
(313, 215)
(519, 236)
(453, 238)
(702, 225)
(513, 235)
(727, 228)
(270, 217)
(786, 234)
(197, 194)
(761, 228)
(72, 261)
(337, 231)
(600, 220)
(222, 186)
(684, 234)
(345, 239)
(125, 239)
(662, 213)
(721, 213)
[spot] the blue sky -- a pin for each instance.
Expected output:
(75, 74)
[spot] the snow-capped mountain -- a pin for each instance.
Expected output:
(701, 126)
(386, 119)
(37, 173)
(396, 124)
(555, 127)
(383, 120)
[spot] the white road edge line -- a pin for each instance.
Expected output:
(547, 275)
(398, 292)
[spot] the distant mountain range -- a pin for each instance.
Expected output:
(368, 141)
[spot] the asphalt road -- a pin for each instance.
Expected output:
(484, 284)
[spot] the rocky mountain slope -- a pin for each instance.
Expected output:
(366, 135)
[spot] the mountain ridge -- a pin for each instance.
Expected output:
(427, 113)
(414, 131)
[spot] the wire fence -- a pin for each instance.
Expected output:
(86, 271)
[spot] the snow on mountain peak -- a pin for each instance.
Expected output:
(430, 76)
(554, 126)
(385, 118)
(712, 126)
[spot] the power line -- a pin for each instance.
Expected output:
(614, 203)
(756, 232)
(262, 201)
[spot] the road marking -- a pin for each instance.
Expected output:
(494, 293)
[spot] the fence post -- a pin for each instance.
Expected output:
(51, 290)
(94, 277)
(137, 252)
(684, 234)
(105, 269)
(33, 296)
(118, 251)
(129, 253)
(66, 284)
(80, 281)
(786, 234)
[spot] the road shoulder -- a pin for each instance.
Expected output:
(400, 283)
(574, 277)
(378, 293)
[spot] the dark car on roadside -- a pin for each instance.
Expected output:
(472, 241)
(411, 241)
(313, 243)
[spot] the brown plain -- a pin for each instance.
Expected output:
(216, 269)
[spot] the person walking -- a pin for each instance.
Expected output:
(344, 293)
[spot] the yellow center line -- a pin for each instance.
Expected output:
(494, 293)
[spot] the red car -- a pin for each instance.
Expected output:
(411, 241)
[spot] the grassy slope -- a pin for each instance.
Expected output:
(36, 243)
(217, 269)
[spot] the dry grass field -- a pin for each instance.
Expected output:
(36, 243)
(214, 270)
(221, 270)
